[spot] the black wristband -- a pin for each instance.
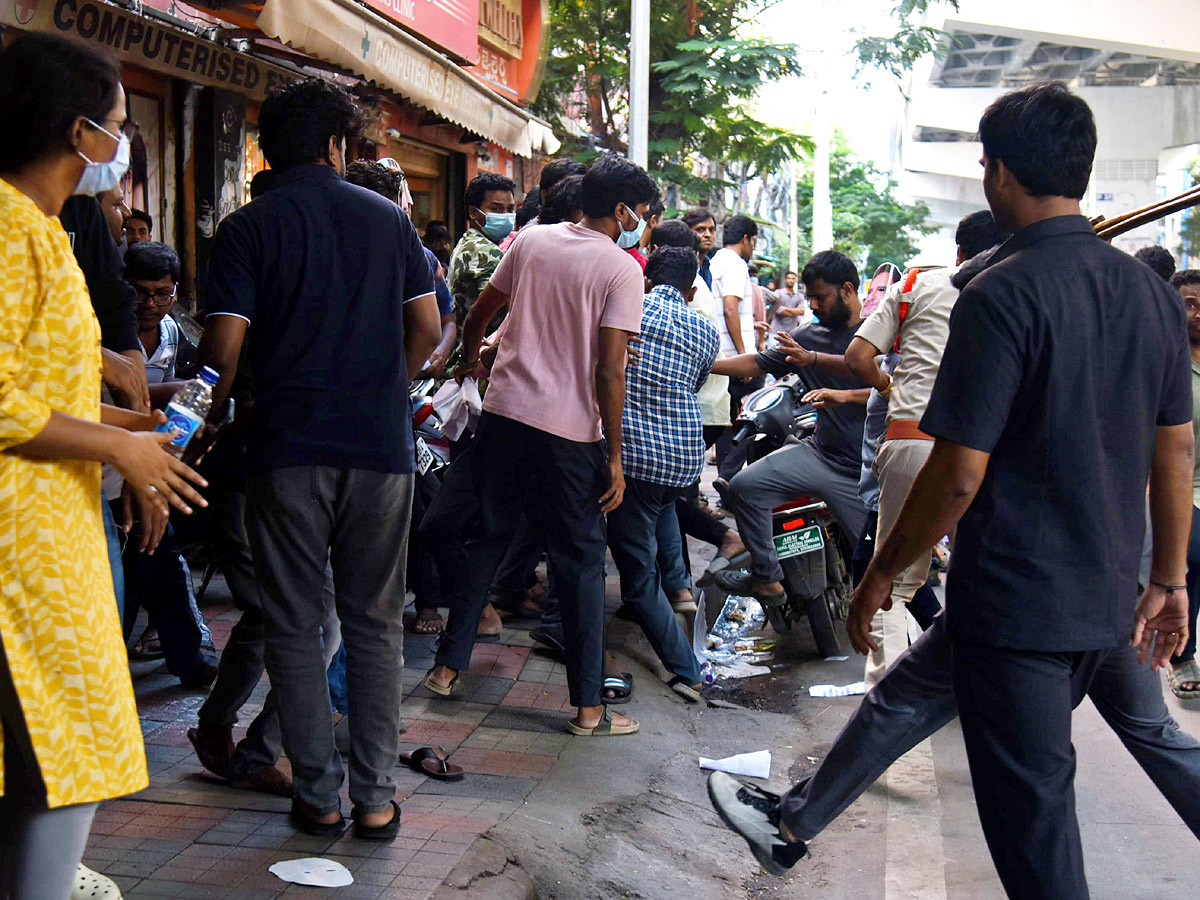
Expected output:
(1169, 588)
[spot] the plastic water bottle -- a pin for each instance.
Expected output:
(188, 409)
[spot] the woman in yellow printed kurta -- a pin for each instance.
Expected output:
(70, 726)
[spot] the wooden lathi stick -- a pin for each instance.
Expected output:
(1111, 228)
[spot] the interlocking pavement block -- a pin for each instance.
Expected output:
(554, 697)
(490, 787)
(520, 718)
(549, 744)
(472, 689)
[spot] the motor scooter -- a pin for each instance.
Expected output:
(811, 545)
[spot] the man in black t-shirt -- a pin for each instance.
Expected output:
(341, 323)
(1053, 407)
(827, 464)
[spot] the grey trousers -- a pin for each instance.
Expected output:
(298, 519)
(774, 480)
(916, 698)
(242, 663)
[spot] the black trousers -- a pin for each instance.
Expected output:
(730, 459)
(1015, 707)
(506, 460)
(423, 575)
(160, 584)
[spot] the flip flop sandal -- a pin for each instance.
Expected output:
(487, 638)
(438, 689)
(621, 689)
(431, 761)
(301, 821)
(718, 564)
(604, 728)
(386, 832)
(147, 647)
(416, 628)
(684, 689)
(1185, 675)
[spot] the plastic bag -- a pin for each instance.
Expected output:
(458, 407)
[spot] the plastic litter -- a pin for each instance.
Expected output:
(731, 649)
(458, 407)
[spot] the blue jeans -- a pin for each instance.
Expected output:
(632, 537)
(339, 696)
(114, 558)
(672, 569)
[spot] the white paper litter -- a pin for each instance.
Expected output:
(752, 765)
(836, 658)
(314, 871)
(740, 669)
(834, 690)
(457, 406)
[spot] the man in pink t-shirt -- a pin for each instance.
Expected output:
(557, 387)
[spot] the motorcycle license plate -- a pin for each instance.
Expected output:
(799, 542)
(424, 456)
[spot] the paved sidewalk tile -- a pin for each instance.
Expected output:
(191, 835)
(551, 697)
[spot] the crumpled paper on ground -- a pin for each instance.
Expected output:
(458, 407)
(753, 765)
(314, 871)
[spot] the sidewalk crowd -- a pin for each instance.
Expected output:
(1012, 401)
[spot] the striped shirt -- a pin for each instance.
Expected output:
(662, 439)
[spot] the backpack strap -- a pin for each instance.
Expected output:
(902, 310)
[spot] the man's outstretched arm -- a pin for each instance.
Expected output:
(741, 366)
(943, 490)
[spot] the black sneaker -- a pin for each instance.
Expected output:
(551, 637)
(754, 814)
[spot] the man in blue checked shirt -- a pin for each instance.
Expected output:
(662, 445)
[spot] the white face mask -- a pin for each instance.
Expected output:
(99, 177)
(627, 240)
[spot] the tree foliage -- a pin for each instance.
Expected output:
(703, 73)
(869, 223)
(897, 53)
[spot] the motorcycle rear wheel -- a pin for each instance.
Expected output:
(824, 632)
(778, 618)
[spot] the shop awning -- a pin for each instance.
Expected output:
(351, 36)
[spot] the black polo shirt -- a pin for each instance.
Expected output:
(322, 270)
(839, 433)
(1063, 357)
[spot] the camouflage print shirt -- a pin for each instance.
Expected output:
(471, 267)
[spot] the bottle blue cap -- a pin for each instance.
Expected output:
(209, 376)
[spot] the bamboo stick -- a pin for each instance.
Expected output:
(1118, 225)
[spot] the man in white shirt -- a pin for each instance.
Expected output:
(914, 318)
(734, 291)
